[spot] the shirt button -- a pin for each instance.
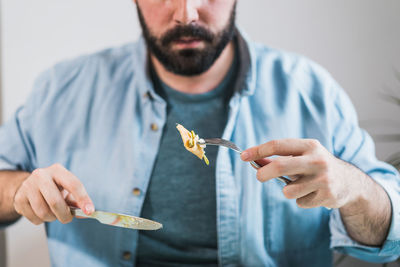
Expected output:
(154, 127)
(136, 191)
(126, 255)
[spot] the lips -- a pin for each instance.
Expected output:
(187, 42)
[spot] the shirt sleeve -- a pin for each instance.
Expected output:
(17, 149)
(354, 145)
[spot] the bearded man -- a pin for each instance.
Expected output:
(99, 131)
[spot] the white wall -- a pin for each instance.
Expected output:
(357, 41)
(36, 34)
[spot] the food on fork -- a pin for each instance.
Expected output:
(190, 141)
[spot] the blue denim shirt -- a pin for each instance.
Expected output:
(96, 115)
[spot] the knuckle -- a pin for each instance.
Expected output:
(37, 173)
(286, 192)
(18, 197)
(259, 176)
(35, 221)
(52, 219)
(53, 203)
(304, 204)
(42, 213)
(313, 143)
(66, 220)
(24, 186)
(57, 166)
(69, 219)
(259, 151)
(324, 180)
(274, 145)
(320, 162)
(290, 191)
(300, 203)
(279, 166)
(17, 208)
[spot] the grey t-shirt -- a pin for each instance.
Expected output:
(182, 193)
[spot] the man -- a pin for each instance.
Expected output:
(100, 131)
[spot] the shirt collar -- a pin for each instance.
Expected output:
(246, 74)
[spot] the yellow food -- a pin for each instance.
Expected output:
(190, 141)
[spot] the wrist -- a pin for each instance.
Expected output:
(370, 211)
(18, 181)
(360, 196)
(12, 180)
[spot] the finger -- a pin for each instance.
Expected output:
(19, 200)
(53, 197)
(72, 184)
(309, 201)
(27, 212)
(265, 161)
(300, 187)
(282, 147)
(69, 198)
(39, 206)
(261, 162)
(22, 205)
(295, 177)
(283, 166)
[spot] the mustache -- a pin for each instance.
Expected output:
(189, 31)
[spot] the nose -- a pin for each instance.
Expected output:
(186, 11)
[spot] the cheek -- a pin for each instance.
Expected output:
(216, 15)
(157, 17)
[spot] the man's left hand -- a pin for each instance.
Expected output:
(319, 178)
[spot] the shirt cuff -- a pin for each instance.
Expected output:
(389, 251)
(3, 225)
(393, 190)
(5, 166)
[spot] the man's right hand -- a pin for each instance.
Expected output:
(45, 195)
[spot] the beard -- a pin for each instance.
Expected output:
(191, 61)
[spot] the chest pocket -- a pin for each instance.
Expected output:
(289, 228)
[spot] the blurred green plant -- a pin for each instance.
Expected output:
(394, 159)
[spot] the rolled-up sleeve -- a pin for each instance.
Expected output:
(354, 145)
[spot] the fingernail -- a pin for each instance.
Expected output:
(89, 208)
(245, 155)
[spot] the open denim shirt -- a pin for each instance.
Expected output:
(94, 115)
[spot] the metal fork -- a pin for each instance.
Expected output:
(231, 145)
(234, 147)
